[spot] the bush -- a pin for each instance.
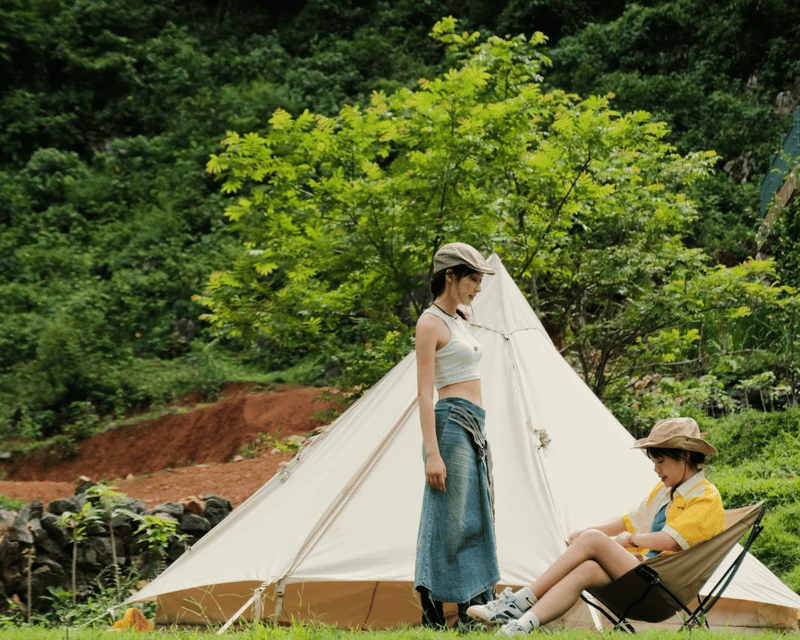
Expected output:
(759, 459)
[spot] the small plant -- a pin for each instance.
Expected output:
(79, 524)
(267, 442)
(108, 502)
(156, 533)
(12, 504)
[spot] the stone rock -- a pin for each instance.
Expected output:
(32, 510)
(42, 578)
(170, 508)
(58, 533)
(55, 567)
(215, 515)
(6, 520)
(12, 576)
(83, 484)
(49, 548)
(37, 530)
(191, 523)
(123, 526)
(9, 550)
(80, 499)
(193, 504)
(62, 505)
(217, 509)
(136, 506)
(217, 501)
(19, 530)
(95, 553)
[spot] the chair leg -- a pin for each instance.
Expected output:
(620, 624)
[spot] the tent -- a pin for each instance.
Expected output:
(331, 538)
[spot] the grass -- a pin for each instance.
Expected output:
(299, 632)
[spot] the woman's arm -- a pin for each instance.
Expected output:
(427, 340)
(658, 541)
(610, 527)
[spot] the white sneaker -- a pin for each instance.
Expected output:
(497, 611)
(513, 628)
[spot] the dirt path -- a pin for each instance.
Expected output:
(181, 454)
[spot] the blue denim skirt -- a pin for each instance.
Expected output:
(456, 547)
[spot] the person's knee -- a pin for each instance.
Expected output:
(592, 539)
(591, 574)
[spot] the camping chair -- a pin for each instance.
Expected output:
(664, 585)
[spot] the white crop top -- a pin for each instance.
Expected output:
(457, 361)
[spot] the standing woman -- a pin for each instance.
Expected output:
(456, 550)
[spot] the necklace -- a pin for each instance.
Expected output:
(445, 312)
(461, 327)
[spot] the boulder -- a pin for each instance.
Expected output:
(62, 505)
(9, 550)
(19, 530)
(191, 523)
(37, 530)
(170, 508)
(193, 504)
(58, 533)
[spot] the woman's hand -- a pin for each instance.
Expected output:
(624, 539)
(436, 471)
(575, 535)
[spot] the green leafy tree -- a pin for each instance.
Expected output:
(341, 216)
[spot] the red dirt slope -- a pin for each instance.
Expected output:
(180, 454)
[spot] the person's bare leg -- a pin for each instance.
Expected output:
(592, 545)
(560, 598)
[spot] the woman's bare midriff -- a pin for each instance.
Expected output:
(469, 390)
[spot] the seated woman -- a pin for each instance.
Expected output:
(683, 509)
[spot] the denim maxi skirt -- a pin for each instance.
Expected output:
(456, 547)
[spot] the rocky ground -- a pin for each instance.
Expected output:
(192, 450)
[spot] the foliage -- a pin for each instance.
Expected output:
(586, 206)
(155, 533)
(759, 455)
(267, 442)
(108, 225)
(64, 613)
(12, 504)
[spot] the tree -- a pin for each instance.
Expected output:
(341, 216)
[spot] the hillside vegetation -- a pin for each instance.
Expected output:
(609, 152)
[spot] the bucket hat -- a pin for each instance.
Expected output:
(676, 433)
(460, 253)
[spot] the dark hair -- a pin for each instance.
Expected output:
(694, 458)
(438, 279)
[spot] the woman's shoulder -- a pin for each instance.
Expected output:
(431, 323)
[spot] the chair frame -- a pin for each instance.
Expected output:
(651, 580)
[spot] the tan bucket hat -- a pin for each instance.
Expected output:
(460, 253)
(676, 433)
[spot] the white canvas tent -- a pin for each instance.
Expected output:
(332, 537)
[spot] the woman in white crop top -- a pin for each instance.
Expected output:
(456, 550)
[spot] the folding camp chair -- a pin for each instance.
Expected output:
(664, 585)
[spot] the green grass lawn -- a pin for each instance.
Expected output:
(298, 632)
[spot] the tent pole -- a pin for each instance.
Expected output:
(255, 598)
